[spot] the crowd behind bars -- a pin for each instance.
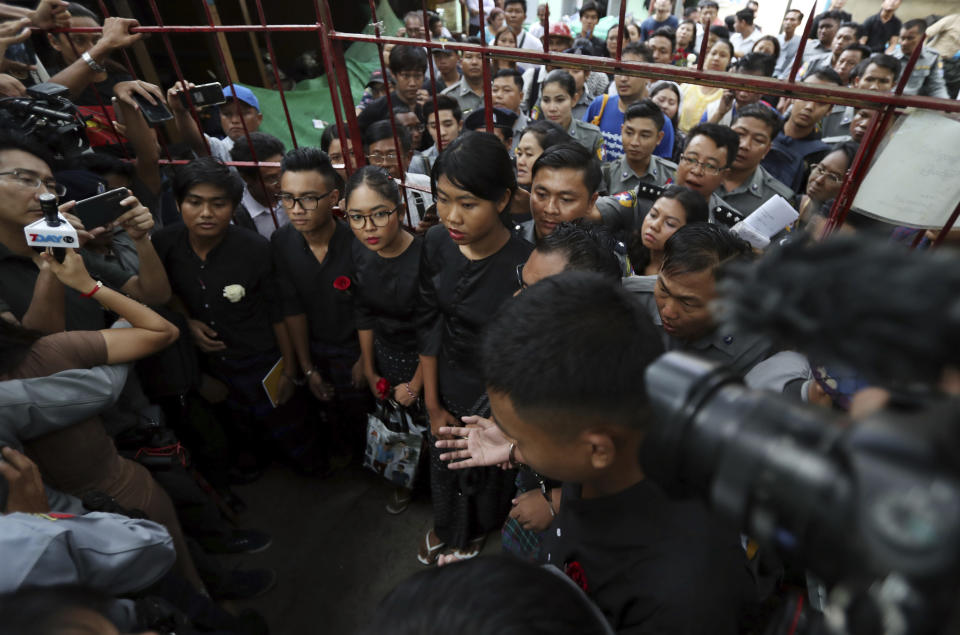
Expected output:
(122, 438)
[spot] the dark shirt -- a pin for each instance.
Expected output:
(388, 295)
(789, 159)
(652, 564)
(459, 297)
(879, 33)
(18, 275)
(649, 26)
(242, 258)
(377, 110)
(307, 285)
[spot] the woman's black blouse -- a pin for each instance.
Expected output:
(459, 297)
(387, 296)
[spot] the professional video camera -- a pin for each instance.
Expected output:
(48, 117)
(872, 507)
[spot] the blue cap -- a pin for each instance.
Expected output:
(244, 94)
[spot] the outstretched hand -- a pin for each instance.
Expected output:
(480, 443)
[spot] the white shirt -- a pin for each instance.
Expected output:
(220, 148)
(417, 198)
(530, 43)
(261, 214)
(744, 45)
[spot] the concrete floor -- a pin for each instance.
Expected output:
(336, 549)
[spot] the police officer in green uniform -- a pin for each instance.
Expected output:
(678, 298)
(746, 185)
(469, 90)
(642, 131)
(556, 105)
(926, 79)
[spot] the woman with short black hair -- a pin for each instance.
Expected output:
(467, 271)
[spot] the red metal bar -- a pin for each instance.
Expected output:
(393, 120)
(276, 72)
(331, 85)
(176, 69)
(865, 153)
(233, 91)
(946, 228)
(798, 59)
(621, 28)
(546, 28)
(487, 82)
(433, 78)
(334, 56)
(704, 45)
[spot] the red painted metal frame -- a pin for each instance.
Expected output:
(331, 41)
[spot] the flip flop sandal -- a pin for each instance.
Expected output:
(432, 553)
(475, 546)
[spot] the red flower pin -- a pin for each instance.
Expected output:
(342, 283)
(383, 388)
(575, 572)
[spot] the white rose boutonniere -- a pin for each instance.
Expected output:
(234, 292)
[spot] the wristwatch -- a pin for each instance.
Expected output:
(92, 63)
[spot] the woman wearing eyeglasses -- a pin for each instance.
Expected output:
(825, 180)
(467, 272)
(386, 261)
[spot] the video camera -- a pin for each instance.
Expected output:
(872, 507)
(48, 117)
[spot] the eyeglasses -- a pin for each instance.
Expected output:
(692, 162)
(389, 158)
(307, 203)
(30, 179)
(520, 282)
(379, 218)
(818, 170)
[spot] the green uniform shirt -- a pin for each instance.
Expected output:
(754, 192)
(465, 96)
(587, 135)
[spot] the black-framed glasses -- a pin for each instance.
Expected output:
(30, 179)
(379, 218)
(520, 282)
(307, 203)
(708, 168)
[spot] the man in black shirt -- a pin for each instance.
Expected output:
(882, 30)
(314, 261)
(564, 365)
(223, 282)
(409, 67)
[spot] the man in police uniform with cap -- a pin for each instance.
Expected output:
(503, 121)
(469, 90)
(926, 80)
(746, 185)
(678, 299)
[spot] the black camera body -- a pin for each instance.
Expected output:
(48, 116)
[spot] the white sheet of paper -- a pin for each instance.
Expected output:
(913, 181)
(771, 218)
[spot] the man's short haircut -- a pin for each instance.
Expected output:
(647, 109)
(857, 28)
(413, 14)
(721, 32)
(77, 10)
(511, 72)
(377, 179)
(916, 23)
(833, 14)
(865, 51)
(590, 5)
(207, 171)
(722, 136)
(825, 74)
(547, 133)
(765, 64)
(764, 114)
(639, 49)
(494, 595)
(571, 155)
(380, 130)
(668, 33)
(706, 4)
(444, 102)
(404, 58)
(260, 147)
(522, 3)
(700, 247)
(586, 246)
(570, 351)
(797, 11)
(688, 11)
(105, 163)
(883, 60)
(309, 159)
(14, 140)
(745, 16)
(564, 79)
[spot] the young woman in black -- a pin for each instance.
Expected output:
(386, 260)
(467, 271)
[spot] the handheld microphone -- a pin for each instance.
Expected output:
(52, 230)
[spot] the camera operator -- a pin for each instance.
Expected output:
(24, 174)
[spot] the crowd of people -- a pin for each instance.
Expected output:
(506, 289)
